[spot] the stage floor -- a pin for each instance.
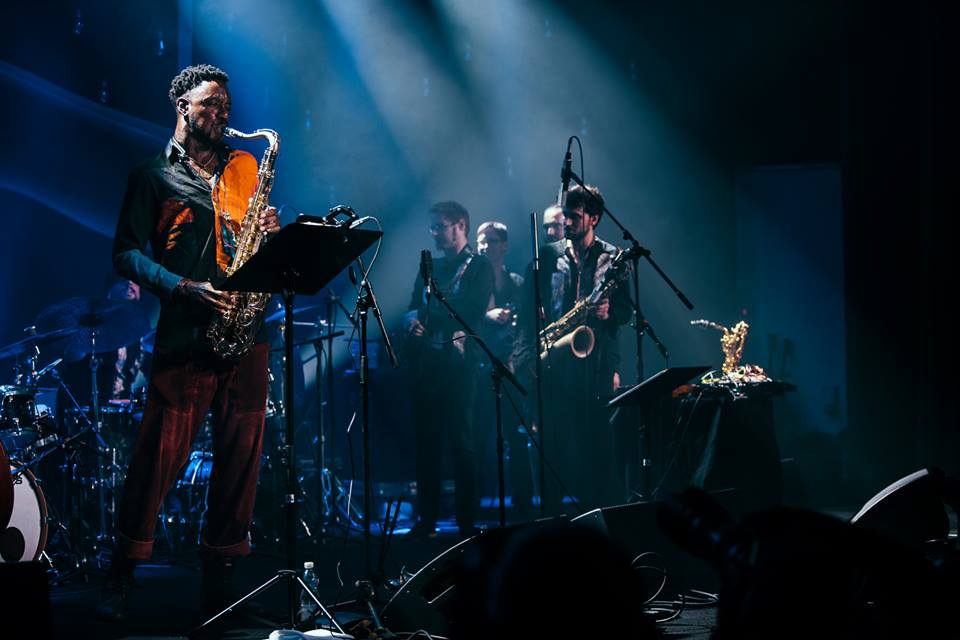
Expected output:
(165, 603)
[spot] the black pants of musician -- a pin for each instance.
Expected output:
(443, 402)
(183, 387)
(577, 437)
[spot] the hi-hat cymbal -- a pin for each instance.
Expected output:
(101, 324)
(149, 341)
(20, 347)
(298, 311)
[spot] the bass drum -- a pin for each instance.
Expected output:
(25, 536)
(6, 489)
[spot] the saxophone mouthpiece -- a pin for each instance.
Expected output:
(230, 131)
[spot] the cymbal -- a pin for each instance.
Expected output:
(148, 341)
(278, 315)
(20, 347)
(114, 323)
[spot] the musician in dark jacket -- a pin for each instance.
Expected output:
(578, 443)
(499, 330)
(443, 362)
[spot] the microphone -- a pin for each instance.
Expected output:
(340, 209)
(565, 175)
(426, 272)
(357, 222)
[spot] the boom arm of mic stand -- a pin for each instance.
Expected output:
(376, 314)
(639, 249)
(494, 360)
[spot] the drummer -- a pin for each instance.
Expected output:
(120, 373)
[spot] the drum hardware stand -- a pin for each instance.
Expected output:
(498, 371)
(332, 489)
(302, 258)
(99, 443)
(320, 452)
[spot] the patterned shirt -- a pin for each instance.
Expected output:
(190, 225)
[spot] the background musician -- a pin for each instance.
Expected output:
(499, 331)
(444, 368)
(187, 204)
(553, 223)
(578, 439)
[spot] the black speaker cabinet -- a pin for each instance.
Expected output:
(25, 605)
(912, 510)
(426, 600)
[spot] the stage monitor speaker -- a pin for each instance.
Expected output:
(634, 527)
(911, 510)
(425, 601)
(25, 605)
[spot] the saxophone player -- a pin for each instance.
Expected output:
(577, 437)
(187, 204)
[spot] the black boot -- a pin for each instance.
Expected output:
(115, 592)
(217, 584)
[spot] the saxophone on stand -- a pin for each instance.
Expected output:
(732, 343)
(231, 333)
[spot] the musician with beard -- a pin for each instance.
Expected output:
(577, 436)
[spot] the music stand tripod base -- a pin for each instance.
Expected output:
(302, 258)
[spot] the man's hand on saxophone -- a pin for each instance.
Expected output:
(203, 293)
(601, 310)
(268, 220)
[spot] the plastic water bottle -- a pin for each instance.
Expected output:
(307, 605)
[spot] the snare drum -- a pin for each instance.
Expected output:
(25, 536)
(18, 418)
(117, 424)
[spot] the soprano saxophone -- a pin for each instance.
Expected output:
(231, 333)
(570, 329)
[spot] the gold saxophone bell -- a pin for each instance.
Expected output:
(580, 341)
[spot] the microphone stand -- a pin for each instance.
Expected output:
(537, 321)
(367, 300)
(498, 371)
(641, 325)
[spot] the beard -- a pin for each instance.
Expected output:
(210, 137)
(572, 235)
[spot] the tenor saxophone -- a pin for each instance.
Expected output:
(231, 332)
(570, 329)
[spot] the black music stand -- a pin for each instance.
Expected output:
(644, 396)
(302, 258)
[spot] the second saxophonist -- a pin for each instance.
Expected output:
(578, 439)
(187, 205)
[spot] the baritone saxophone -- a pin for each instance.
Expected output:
(231, 333)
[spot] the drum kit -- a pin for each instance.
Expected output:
(63, 455)
(67, 455)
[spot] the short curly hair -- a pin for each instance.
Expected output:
(590, 199)
(193, 76)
